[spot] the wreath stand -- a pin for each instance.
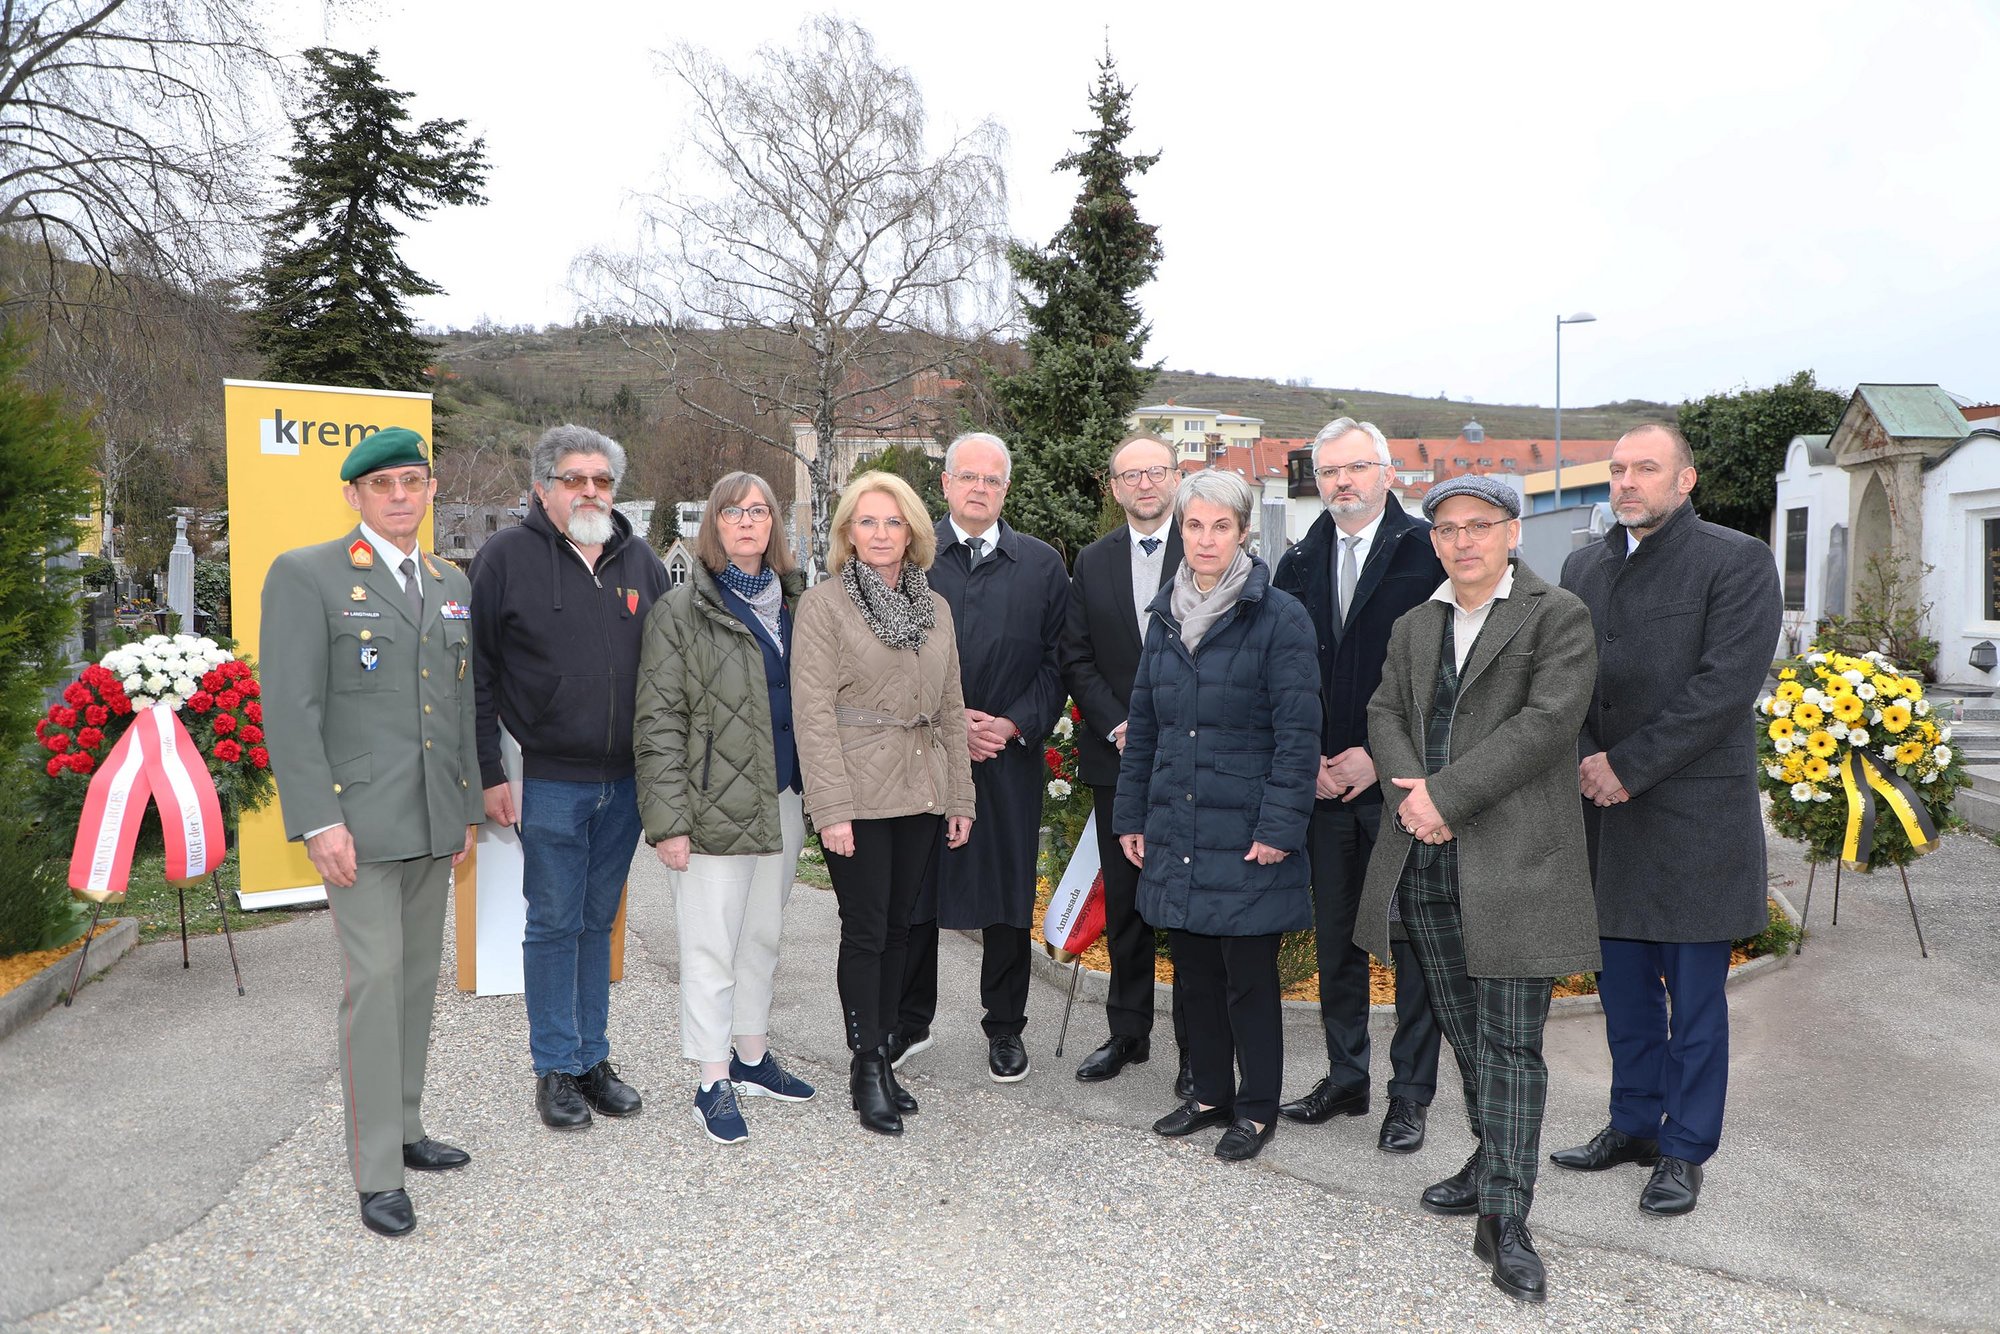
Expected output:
(1812, 869)
(221, 906)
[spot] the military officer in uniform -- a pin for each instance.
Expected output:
(369, 718)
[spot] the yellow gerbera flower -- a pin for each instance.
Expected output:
(1795, 767)
(1816, 770)
(1780, 729)
(1891, 686)
(1790, 690)
(1912, 687)
(1909, 752)
(1849, 707)
(1896, 717)
(1788, 674)
(1838, 687)
(1822, 744)
(1807, 715)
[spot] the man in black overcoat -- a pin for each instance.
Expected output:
(1360, 566)
(1116, 577)
(1008, 594)
(1687, 616)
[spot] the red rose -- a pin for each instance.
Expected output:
(260, 757)
(224, 724)
(56, 766)
(250, 689)
(62, 717)
(201, 701)
(57, 741)
(121, 704)
(254, 712)
(97, 715)
(251, 734)
(230, 699)
(228, 751)
(214, 682)
(77, 693)
(89, 738)
(81, 763)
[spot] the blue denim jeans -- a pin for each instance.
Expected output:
(577, 841)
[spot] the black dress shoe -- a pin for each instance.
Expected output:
(1503, 1241)
(1675, 1187)
(607, 1094)
(901, 1047)
(560, 1102)
(1190, 1117)
(1457, 1193)
(899, 1097)
(1006, 1059)
(1116, 1053)
(388, 1212)
(1608, 1148)
(428, 1155)
(1326, 1101)
(1243, 1140)
(1184, 1081)
(1403, 1127)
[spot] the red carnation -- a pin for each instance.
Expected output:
(214, 682)
(254, 712)
(230, 699)
(228, 751)
(121, 704)
(224, 724)
(77, 693)
(1075, 714)
(1052, 757)
(41, 726)
(81, 763)
(57, 741)
(251, 734)
(250, 689)
(62, 717)
(235, 669)
(260, 757)
(92, 675)
(97, 715)
(56, 766)
(201, 701)
(89, 738)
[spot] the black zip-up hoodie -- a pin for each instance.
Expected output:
(556, 648)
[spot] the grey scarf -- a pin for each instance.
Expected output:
(1198, 611)
(900, 617)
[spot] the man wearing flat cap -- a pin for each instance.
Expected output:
(1481, 854)
(369, 718)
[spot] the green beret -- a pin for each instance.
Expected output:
(394, 448)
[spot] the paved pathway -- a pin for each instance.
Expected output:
(169, 1158)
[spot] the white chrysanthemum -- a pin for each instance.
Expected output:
(1930, 777)
(1816, 659)
(1866, 690)
(1855, 676)
(1857, 736)
(1942, 755)
(1822, 796)
(1783, 745)
(1780, 707)
(1058, 789)
(1944, 734)
(1775, 770)
(1815, 697)
(1802, 792)
(1063, 727)
(1921, 708)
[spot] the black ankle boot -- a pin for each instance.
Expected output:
(898, 1096)
(868, 1084)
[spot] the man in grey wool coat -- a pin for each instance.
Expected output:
(1687, 617)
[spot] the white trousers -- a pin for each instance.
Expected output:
(731, 912)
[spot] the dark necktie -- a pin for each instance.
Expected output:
(413, 589)
(1149, 545)
(976, 545)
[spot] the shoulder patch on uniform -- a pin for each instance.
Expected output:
(432, 562)
(360, 554)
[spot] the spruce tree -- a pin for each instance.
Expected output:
(329, 294)
(1086, 333)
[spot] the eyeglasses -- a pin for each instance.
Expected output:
(382, 483)
(576, 481)
(889, 526)
(746, 513)
(1476, 530)
(985, 479)
(1334, 472)
(1133, 476)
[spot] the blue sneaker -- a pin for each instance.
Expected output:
(767, 1079)
(716, 1112)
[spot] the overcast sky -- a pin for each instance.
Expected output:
(1393, 197)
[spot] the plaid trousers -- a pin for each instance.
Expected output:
(1494, 1025)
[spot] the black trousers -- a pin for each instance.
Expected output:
(1229, 987)
(1128, 1008)
(1339, 840)
(1003, 980)
(876, 888)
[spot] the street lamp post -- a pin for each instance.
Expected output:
(1581, 317)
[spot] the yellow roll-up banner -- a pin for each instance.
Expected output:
(285, 445)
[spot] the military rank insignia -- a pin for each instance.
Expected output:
(360, 555)
(359, 594)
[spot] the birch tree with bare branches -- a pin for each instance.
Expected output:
(809, 250)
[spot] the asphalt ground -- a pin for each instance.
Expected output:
(170, 1159)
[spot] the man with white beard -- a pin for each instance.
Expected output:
(558, 605)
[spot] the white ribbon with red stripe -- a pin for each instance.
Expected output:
(155, 760)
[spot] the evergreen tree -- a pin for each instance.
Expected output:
(1739, 442)
(665, 529)
(1086, 333)
(923, 472)
(329, 295)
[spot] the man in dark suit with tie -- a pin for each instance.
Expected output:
(1360, 566)
(1115, 577)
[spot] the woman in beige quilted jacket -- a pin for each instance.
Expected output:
(881, 729)
(719, 790)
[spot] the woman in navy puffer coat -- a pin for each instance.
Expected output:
(1214, 792)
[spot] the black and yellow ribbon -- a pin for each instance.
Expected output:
(1858, 844)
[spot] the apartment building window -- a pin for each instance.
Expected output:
(1795, 559)
(1191, 426)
